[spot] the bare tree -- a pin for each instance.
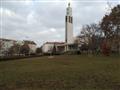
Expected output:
(94, 34)
(25, 49)
(14, 50)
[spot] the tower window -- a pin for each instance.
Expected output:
(66, 18)
(69, 19)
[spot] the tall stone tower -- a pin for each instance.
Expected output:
(69, 26)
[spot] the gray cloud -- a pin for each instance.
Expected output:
(44, 20)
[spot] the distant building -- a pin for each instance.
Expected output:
(81, 40)
(32, 45)
(47, 48)
(6, 44)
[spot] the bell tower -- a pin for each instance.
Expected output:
(69, 25)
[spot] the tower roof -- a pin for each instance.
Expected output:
(69, 4)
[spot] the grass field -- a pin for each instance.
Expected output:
(61, 73)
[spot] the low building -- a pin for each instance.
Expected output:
(5, 44)
(81, 40)
(48, 47)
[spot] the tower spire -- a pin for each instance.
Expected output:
(69, 4)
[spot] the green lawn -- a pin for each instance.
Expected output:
(61, 73)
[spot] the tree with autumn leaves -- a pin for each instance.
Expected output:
(111, 27)
(111, 23)
(106, 34)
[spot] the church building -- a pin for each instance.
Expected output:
(68, 45)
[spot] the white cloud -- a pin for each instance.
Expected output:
(31, 18)
(7, 12)
(25, 2)
(43, 32)
(58, 36)
(50, 31)
(53, 30)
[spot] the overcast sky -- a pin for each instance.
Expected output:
(44, 20)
